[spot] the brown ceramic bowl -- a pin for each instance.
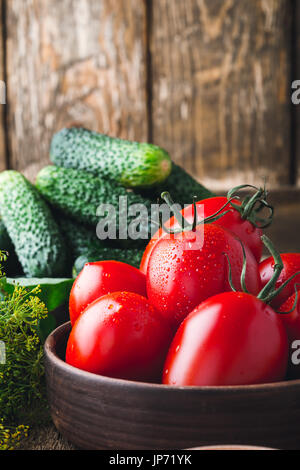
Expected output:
(96, 412)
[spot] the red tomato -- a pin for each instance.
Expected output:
(245, 230)
(230, 339)
(182, 273)
(100, 278)
(120, 335)
(291, 322)
(291, 265)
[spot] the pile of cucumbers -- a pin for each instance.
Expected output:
(49, 228)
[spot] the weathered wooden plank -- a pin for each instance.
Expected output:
(73, 62)
(284, 231)
(221, 96)
(296, 107)
(3, 156)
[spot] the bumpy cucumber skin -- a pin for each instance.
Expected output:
(182, 187)
(78, 238)
(132, 257)
(85, 247)
(78, 194)
(31, 227)
(131, 164)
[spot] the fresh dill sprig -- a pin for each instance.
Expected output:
(22, 383)
(3, 258)
(21, 376)
(10, 438)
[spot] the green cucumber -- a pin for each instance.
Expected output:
(131, 164)
(31, 227)
(78, 238)
(79, 194)
(182, 187)
(132, 257)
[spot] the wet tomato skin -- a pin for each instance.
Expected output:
(244, 229)
(120, 335)
(101, 278)
(291, 265)
(230, 339)
(184, 271)
(291, 320)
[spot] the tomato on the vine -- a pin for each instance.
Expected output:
(241, 218)
(120, 335)
(100, 278)
(291, 320)
(230, 339)
(188, 267)
(236, 338)
(291, 265)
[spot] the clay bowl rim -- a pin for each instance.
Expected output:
(50, 353)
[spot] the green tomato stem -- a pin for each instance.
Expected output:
(252, 205)
(184, 225)
(278, 267)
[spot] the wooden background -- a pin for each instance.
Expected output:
(209, 80)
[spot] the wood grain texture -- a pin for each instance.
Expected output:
(76, 62)
(285, 229)
(3, 156)
(296, 108)
(221, 88)
(45, 438)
